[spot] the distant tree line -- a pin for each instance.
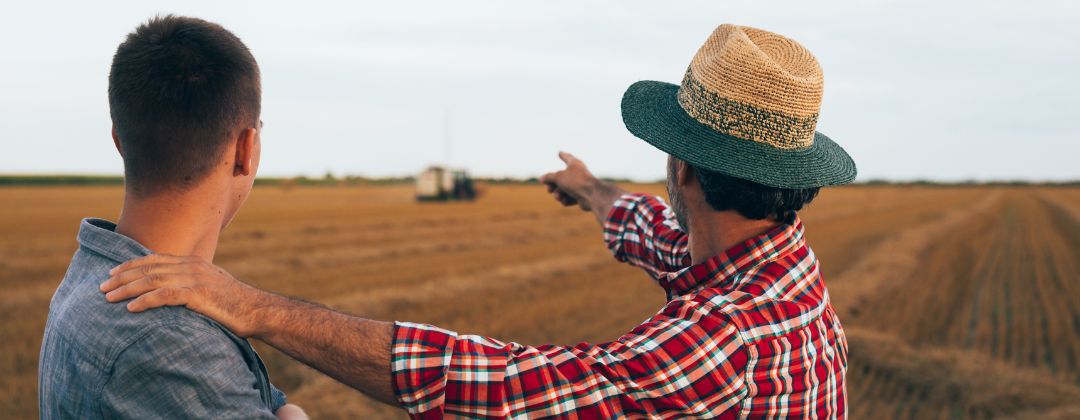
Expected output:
(971, 182)
(352, 180)
(61, 180)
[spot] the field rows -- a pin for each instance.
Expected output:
(926, 279)
(1002, 287)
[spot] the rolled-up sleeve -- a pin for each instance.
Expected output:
(683, 362)
(182, 371)
(641, 230)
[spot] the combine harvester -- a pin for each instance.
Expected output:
(437, 183)
(442, 183)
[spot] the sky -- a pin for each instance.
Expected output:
(914, 89)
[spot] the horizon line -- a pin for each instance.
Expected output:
(329, 178)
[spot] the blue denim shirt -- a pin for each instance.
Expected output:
(100, 361)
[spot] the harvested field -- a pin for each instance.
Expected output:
(959, 302)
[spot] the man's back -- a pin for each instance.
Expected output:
(99, 360)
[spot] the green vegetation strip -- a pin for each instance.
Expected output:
(32, 180)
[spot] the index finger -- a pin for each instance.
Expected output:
(568, 158)
(548, 180)
(149, 259)
(122, 278)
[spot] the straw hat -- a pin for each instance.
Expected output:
(747, 108)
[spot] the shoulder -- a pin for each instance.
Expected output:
(172, 332)
(179, 366)
(778, 297)
(696, 314)
(177, 350)
(174, 336)
(82, 318)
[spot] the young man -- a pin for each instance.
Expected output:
(185, 96)
(747, 332)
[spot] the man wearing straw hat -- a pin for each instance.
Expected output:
(748, 330)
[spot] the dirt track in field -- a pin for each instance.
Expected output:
(986, 322)
(958, 302)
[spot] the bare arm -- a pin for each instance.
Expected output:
(641, 231)
(442, 373)
(575, 185)
(351, 349)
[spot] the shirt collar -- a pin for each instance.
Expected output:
(722, 271)
(99, 236)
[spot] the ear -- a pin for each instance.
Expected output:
(116, 141)
(245, 153)
(684, 173)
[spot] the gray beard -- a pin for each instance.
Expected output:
(676, 202)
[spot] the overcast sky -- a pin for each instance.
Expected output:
(913, 89)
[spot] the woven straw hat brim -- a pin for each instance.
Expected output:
(651, 111)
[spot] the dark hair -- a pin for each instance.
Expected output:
(750, 199)
(178, 87)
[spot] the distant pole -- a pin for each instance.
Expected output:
(446, 137)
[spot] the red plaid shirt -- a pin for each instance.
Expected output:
(749, 333)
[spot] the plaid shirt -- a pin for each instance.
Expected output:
(749, 333)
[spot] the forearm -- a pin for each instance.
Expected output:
(600, 195)
(353, 350)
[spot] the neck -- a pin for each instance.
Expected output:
(712, 233)
(174, 224)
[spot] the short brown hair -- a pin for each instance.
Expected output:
(178, 87)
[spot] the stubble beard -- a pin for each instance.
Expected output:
(677, 205)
